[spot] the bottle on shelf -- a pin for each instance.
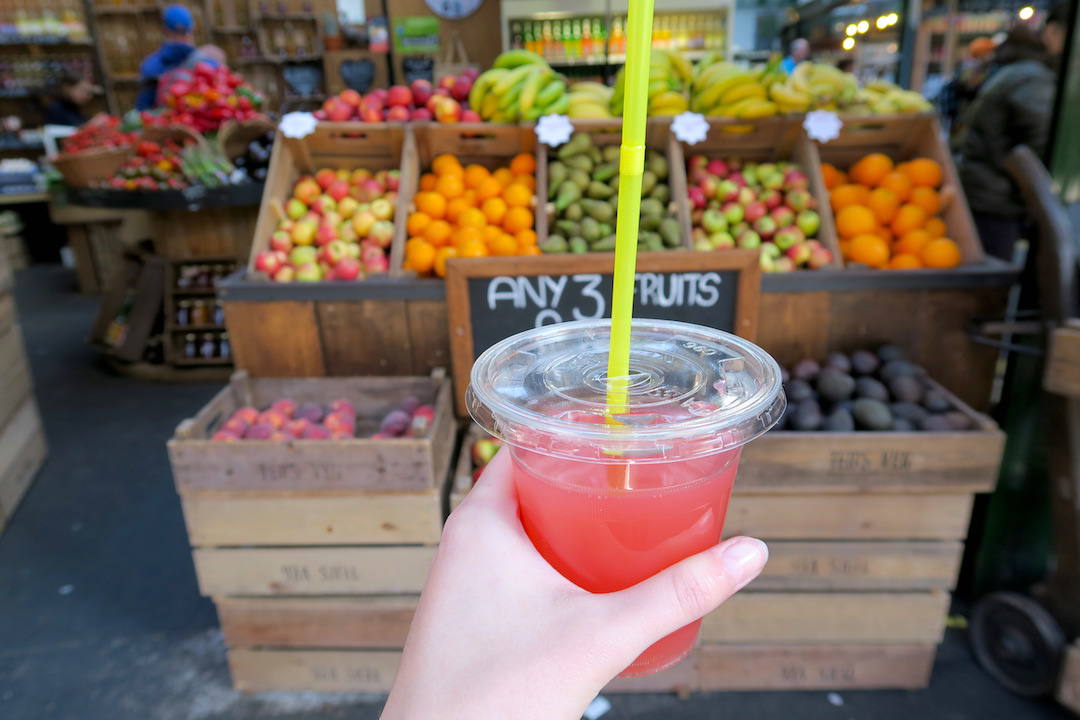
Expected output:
(599, 36)
(586, 39)
(224, 346)
(208, 348)
(618, 38)
(191, 350)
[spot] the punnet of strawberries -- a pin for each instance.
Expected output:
(100, 132)
(204, 97)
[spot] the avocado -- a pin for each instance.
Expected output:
(839, 361)
(807, 416)
(902, 425)
(958, 420)
(935, 401)
(805, 369)
(936, 423)
(835, 386)
(906, 389)
(839, 420)
(798, 390)
(909, 411)
(864, 363)
(898, 368)
(872, 414)
(888, 353)
(868, 387)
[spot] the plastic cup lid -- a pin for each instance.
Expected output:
(692, 391)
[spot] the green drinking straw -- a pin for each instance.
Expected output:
(631, 164)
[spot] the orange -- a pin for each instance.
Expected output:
(904, 261)
(473, 249)
(527, 180)
(490, 232)
(518, 219)
(883, 204)
(420, 257)
(503, 175)
(441, 256)
(523, 164)
(833, 176)
(531, 250)
(450, 186)
(431, 204)
(455, 207)
(504, 245)
(490, 187)
(869, 250)
(913, 242)
(467, 234)
(471, 217)
(427, 182)
(470, 197)
(884, 233)
(855, 220)
(908, 217)
(898, 183)
(923, 172)
(935, 227)
(416, 223)
(517, 195)
(940, 253)
(870, 169)
(494, 209)
(474, 174)
(845, 249)
(844, 195)
(444, 163)
(438, 232)
(525, 238)
(927, 198)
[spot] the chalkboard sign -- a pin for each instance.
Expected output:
(490, 299)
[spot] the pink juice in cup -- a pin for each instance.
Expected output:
(610, 500)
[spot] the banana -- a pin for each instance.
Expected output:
(680, 65)
(656, 87)
(489, 107)
(516, 58)
(588, 110)
(597, 90)
(788, 99)
(558, 107)
(711, 95)
(510, 79)
(551, 91)
(753, 108)
(531, 87)
(716, 73)
(798, 80)
(741, 91)
(667, 103)
(508, 101)
(483, 85)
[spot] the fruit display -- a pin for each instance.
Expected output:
(866, 390)
(583, 194)
(736, 204)
(337, 225)
(155, 166)
(481, 452)
(99, 133)
(882, 97)
(253, 163)
(204, 97)
(670, 77)
(723, 89)
(590, 100)
(446, 102)
(410, 419)
(888, 215)
(286, 420)
(471, 212)
(520, 86)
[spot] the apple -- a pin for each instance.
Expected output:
(373, 101)
(696, 162)
(750, 174)
(315, 431)
(420, 114)
(303, 255)
(787, 237)
(324, 204)
(721, 241)
(306, 190)
(346, 233)
(341, 406)
(798, 200)
(421, 91)
(784, 264)
(259, 431)
(287, 273)
(333, 253)
(714, 167)
(380, 94)
(352, 248)
(698, 176)
(765, 226)
(225, 436)
(281, 240)
(351, 97)
(754, 211)
(374, 259)
(326, 234)
(268, 261)
(236, 425)
(274, 418)
(702, 244)
(397, 113)
(738, 179)
(748, 240)
(469, 115)
(739, 228)
(248, 413)
(783, 216)
(448, 111)
(727, 191)
(382, 209)
(766, 263)
(338, 190)
(337, 110)
(304, 232)
(371, 115)
(309, 272)
(347, 205)
(393, 180)
(711, 187)
(799, 253)
(698, 233)
(771, 198)
(382, 233)
(363, 221)
(340, 421)
(460, 89)
(695, 216)
(447, 81)
(285, 406)
(359, 175)
(399, 96)
(795, 180)
(809, 222)
(746, 196)
(370, 189)
(295, 209)
(325, 176)
(733, 212)
(770, 251)
(819, 257)
(713, 221)
(347, 268)
(297, 426)
(697, 197)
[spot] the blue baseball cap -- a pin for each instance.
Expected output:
(177, 19)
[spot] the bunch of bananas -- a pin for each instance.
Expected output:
(520, 86)
(884, 98)
(724, 89)
(590, 100)
(670, 75)
(815, 86)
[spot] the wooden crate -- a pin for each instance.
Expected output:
(22, 452)
(1063, 361)
(1068, 693)
(14, 367)
(208, 233)
(903, 137)
(767, 140)
(361, 464)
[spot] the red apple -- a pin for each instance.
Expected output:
(399, 96)
(339, 190)
(471, 116)
(717, 167)
(297, 426)
(337, 110)
(340, 421)
(306, 190)
(334, 252)
(420, 114)
(285, 406)
(753, 211)
(370, 189)
(225, 436)
(269, 261)
(359, 175)
(248, 414)
(274, 418)
(324, 204)
(460, 89)
(351, 97)
(371, 115)
(315, 431)
(379, 94)
(397, 113)
(326, 234)
(281, 240)
(448, 110)
(447, 81)
(325, 177)
(393, 180)
(421, 91)
(342, 406)
(287, 273)
(236, 425)
(382, 233)
(783, 216)
(348, 268)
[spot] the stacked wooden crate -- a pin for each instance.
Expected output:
(286, 533)
(22, 440)
(12, 250)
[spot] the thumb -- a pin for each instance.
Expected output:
(689, 589)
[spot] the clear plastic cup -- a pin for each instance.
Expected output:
(610, 500)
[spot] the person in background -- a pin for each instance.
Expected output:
(177, 50)
(72, 94)
(971, 73)
(1013, 107)
(797, 53)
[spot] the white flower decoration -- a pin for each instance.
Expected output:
(690, 127)
(822, 125)
(297, 124)
(554, 130)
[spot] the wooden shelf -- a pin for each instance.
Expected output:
(125, 10)
(194, 291)
(46, 40)
(125, 78)
(271, 60)
(231, 30)
(173, 327)
(313, 17)
(196, 362)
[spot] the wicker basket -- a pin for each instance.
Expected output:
(179, 134)
(233, 137)
(85, 168)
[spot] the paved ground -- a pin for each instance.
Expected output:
(100, 618)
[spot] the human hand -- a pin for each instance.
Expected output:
(499, 633)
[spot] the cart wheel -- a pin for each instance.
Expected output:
(1018, 642)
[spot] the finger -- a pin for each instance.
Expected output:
(688, 590)
(495, 485)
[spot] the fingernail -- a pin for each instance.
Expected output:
(743, 558)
